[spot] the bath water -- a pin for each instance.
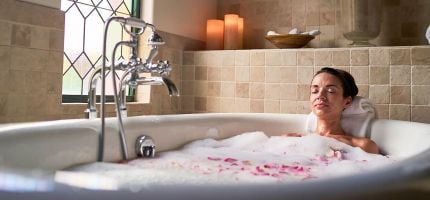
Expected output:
(246, 158)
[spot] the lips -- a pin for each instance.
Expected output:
(320, 105)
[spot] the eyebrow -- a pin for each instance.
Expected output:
(315, 86)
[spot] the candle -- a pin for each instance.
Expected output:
(214, 34)
(240, 32)
(231, 34)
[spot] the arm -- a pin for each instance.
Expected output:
(367, 145)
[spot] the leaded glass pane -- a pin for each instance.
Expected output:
(84, 37)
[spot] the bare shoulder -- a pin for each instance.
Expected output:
(367, 145)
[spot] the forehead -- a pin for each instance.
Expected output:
(326, 79)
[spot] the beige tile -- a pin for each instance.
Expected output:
(303, 92)
(16, 105)
(400, 112)
(420, 56)
(242, 58)
(200, 58)
(257, 90)
(242, 90)
(243, 105)
(215, 58)
(274, 58)
(257, 58)
(187, 88)
(257, 106)
(272, 91)
(35, 82)
(271, 106)
(201, 73)
(3, 104)
(305, 74)
(6, 33)
(327, 12)
(243, 74)
(288, 74)
(323, 58)
(420, 95)
(303, 107)
(400, 56)
(5, 82)
(201, 88)
(5, 57)
(228, 105)
(341, 57)
(379, 75)
(214, 73)
(273, 74)
(290, 58)
(305, 58)
(228, 73)
(258, 74)
(360, 74)
(420, 114)
(228, 58)
(312, 13)
(379, 94)
(188, 58)
(56, 40)
(382, 111)
(214, 89)
(400, 75)
(187, 73)
(379, 56)
(363, 90)
(21, 35)
(288, 106)
(53, 83)
(420, 75)
(327, 36)
(288, 92)
(213, 104)
(187, 103)
(360, 57)
(228, 89)
(200, 104)
(400, 94)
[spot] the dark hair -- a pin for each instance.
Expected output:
(348, 82)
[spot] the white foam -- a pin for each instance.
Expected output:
(246, 158)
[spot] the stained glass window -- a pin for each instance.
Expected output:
(83, 40)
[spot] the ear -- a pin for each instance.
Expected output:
(348, 102)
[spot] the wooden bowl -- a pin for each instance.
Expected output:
(283, 41)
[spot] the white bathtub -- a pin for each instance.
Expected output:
(54, 145)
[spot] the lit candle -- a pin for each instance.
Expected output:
(214, 34)
(240, 32)
(231, 34)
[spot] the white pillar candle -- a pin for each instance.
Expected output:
(214, 34)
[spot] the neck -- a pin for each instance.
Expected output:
(329, 127)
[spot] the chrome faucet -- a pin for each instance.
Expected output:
(133, 67)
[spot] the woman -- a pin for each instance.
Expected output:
(332, 91)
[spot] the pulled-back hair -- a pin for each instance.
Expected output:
(348, 82)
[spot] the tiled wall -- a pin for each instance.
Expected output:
(277, 81)
(403, 21)
(31, 65)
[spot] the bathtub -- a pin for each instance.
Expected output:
(45, 147)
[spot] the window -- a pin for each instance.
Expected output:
(83, 40)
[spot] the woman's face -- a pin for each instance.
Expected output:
(326, 97)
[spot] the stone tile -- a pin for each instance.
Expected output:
(187, 103)
(228, 58)
(6, 33)
(258, 58)
(379, 94)
(257, 90)
(400, 95)
(382, 111)
(289, 107)
(257, 105)
(201, 88)
(187, 73)
(200, 104)
(201, 73)
(228, 105)
(305, 74)
(420, 114)
(400, 75)
(379, 56)
(288, 92)
(271, 106)
(323, 58)
(420, 56)
(272, 91)
(258, 74)
(213, 104)
(341, 57)
(400, 112)
(214, 73)
(242, 58)
(243, 105)
(56, 41)
(274, 58)
(360, 57)
(188, 58)
(21, 35)
(214, 89)
(303, 107)
(303, 92)
(243, 74)
(305, 58)
(242, 90)
(273, 74)
(288, 74)
(420, 75)
(228, 89)
(420, 95)
(228, 73)
(290, 58)
(363, 90)
(400, 56)
(360, 74)
(379, 75)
